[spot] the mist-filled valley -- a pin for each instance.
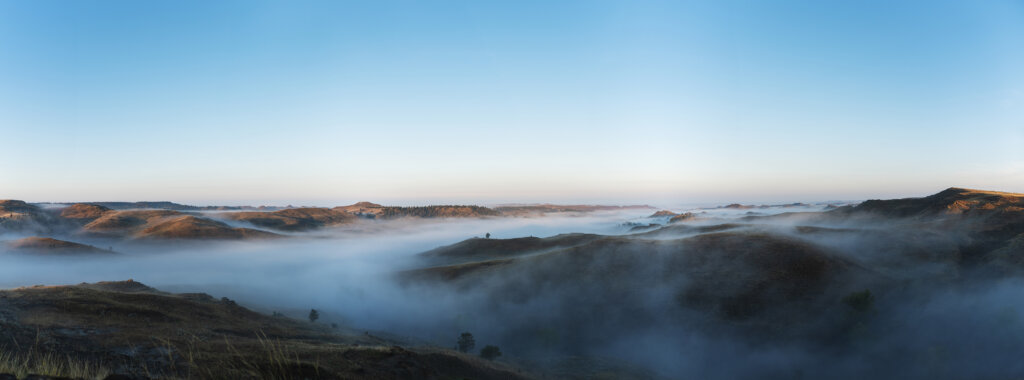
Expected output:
(514, 190)
(909, 288)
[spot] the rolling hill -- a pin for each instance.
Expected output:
(130, 329)
(165, 224)
(45, 245)
(294, 219)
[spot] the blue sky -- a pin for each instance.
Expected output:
(330, 102)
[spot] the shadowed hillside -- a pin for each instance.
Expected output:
(832, 283)
(733, 274)
(23, 217)
(487, 249)
(129, 328)
(952, 201)
(391, 212)
(988, 223)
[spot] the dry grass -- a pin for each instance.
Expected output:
(133, 329)
(49, 364)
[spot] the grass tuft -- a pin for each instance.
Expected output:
(49, 364)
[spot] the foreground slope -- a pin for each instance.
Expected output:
(129, 328)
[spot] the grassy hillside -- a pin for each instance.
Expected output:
(91, 330)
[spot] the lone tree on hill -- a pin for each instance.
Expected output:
(466, 342)
(488, 236)
(490, 352)
(313, 315)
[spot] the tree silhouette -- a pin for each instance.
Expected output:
(466, 342)
(488, 236)
(313, 315)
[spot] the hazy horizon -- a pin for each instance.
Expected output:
(711, 200)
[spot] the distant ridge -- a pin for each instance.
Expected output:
(542, 208)
(294, 219)
(164, 205)
(954, 200)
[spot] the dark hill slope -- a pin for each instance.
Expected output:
(19, 216)
(989, 220)
(758, 286)
(489, 249)
(129, 328)
(735, 274)
(973, 224)
(443, 211)
(952, 201)
(10, 206)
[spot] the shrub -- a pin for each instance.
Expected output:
(490, 352)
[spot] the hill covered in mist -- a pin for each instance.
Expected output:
(906, 288)
(829, 289)
(115, 221)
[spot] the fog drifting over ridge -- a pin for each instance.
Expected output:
(928, 327)
(296, 272)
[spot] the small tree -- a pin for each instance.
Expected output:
(488, 236)
(313, 315)
(466, 342)
(490, 352)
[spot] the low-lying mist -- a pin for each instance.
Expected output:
(678, 306)
(346, 272)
